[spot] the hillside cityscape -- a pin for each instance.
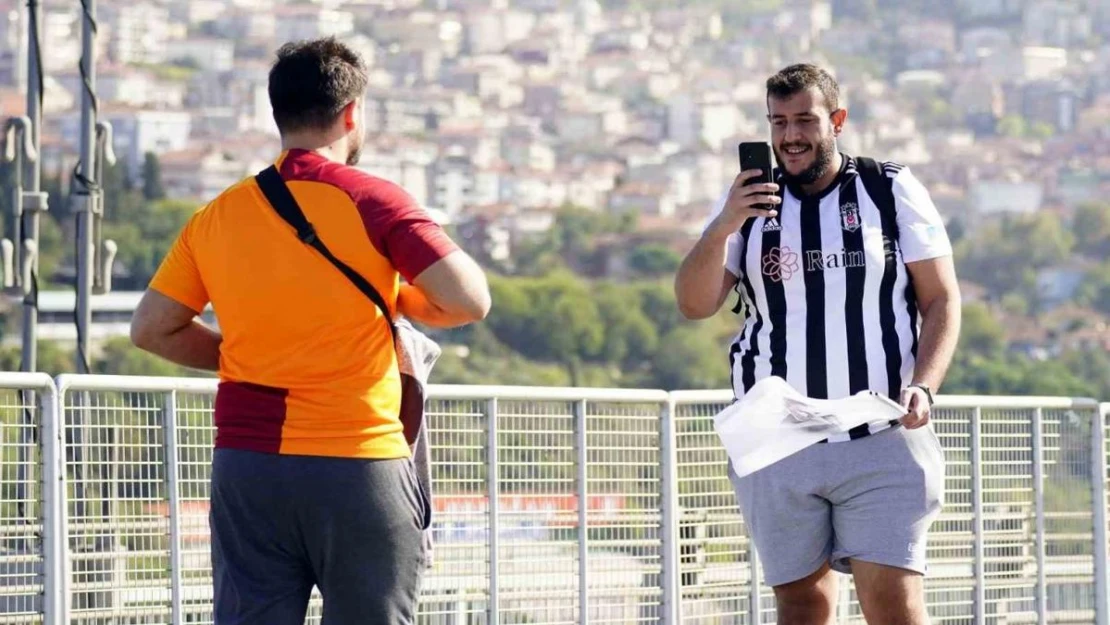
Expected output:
(575, 147)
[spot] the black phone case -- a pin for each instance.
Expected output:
(756, 155)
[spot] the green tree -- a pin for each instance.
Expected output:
(551, 319)
(690, 358)
(1095, 290)
(1012, 126)
(152, 178)
(119, 357)
(630, 338)
(1041, 130)
(1005, 255)
(144, 234)
(1092, 229)
(979, 333)
(654, 260)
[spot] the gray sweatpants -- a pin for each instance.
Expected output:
(872, 499)
(282, 524)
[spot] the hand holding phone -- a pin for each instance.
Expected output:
(753, 194)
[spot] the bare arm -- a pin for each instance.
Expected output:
(452, 292)
(702, 282)
(938, 297)
(166, 328)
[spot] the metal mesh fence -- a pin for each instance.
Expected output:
(118, 528)
(715, 554)
(576, 532)
(21, 511)
(623, 512)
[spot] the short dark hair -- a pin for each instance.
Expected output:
(311, 81)
(801, 76)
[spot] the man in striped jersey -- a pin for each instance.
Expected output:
(847, 285)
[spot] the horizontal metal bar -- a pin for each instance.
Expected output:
(942, 401)
(22, 380)
(74, 382)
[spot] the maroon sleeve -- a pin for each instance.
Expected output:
(401, 230)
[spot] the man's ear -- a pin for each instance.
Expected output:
(350, 115)
(839, 116)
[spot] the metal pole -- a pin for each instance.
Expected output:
(493, 492)
(33, 185)
(85, 197)
(1038, 503)
(177, 616)
(53, 494)
(581, 440)
(670, 532)
(1098, 483)
(979, 546)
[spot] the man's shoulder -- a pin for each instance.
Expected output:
(365, 190)
(889, 168)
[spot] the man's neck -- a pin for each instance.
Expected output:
(332, 150)
(827, 178)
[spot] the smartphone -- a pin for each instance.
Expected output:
(757, 155)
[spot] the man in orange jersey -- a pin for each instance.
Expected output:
(312, 480)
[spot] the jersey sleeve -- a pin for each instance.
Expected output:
(732, 247)
(921, 231)
(178, 277)
(404, 232)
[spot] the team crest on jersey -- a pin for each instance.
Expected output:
(849, 217)
(772, 225)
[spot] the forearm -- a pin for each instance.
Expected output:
(698, 281)
(195, 346)
(414, 304)
(940, 332)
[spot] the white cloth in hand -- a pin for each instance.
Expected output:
(773, 421)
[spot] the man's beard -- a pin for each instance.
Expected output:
(354, 148)
(823, 160)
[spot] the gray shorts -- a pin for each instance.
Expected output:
(283, 524)
(872, 499)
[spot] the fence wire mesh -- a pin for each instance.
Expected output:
(21, 510)
(715, 555)
(578, 532)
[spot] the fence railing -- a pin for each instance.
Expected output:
(551, 506)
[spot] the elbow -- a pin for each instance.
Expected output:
(691, 310)
(140, 335)
(144, 334)
(478, 309)
(475, 309)
(692, 313)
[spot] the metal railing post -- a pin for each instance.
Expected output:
(1038, 503)
(493, 488)
(583, 512)
(53, 508)
(1100, 502)
(169, 424)
(669, 534)
(755, 594)
(979, 605)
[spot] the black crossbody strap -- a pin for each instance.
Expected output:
(277, 193)
(880, 187)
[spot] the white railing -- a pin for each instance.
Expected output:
(552, 506)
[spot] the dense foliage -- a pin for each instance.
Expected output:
(552, 324)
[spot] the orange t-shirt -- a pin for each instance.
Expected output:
(307, 363)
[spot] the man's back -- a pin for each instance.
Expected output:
(307, 361)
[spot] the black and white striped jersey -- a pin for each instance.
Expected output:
(828, 303)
